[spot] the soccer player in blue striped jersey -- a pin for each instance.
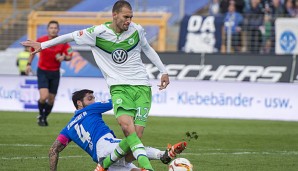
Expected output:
(88, 130)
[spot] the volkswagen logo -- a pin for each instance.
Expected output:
(119, 56)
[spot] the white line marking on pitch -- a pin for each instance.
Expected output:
(43, 157)
(183, 154)
(73, 145)
(31, 145)
(244, 153)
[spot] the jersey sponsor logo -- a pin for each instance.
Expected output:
(222, 72)
(119, 56)
(81, 32)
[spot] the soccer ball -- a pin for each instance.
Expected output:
(180, 164)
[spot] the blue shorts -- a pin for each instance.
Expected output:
(48, 79)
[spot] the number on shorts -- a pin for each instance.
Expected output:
(139, 115)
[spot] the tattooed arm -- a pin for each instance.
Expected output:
(56, 148)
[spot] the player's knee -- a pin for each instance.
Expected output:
(42, 100)
(43, 97)
(127, 128)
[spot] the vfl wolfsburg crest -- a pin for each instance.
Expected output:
(119, 56)
(131, 41)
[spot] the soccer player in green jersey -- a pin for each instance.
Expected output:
(116, 47)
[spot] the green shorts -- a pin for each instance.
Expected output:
(131, 100)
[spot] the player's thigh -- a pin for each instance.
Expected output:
(123, 102)
(134, 101)
(143, 105)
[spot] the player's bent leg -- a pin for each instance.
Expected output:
(172, 151)
(118, 152)
(138, 151)
(127, 124)
(110, 149)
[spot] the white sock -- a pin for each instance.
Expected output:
(153, 153)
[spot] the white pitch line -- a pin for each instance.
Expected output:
(73, 145)
(30, 145)
(183, 154)
(244, 153)
(34, 158)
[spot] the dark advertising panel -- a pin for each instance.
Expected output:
(218, 67)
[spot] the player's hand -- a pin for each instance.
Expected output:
(165, 81)
(28, 69)
(35, 45)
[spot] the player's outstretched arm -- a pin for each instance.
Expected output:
(54, 151)
(35, 45)
(39, 46)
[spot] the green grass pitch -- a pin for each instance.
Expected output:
(222, 144)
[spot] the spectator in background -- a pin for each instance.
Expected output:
(22, 60)
(290, 8)
(239, 5)
(233, 21)
(48, 72)
(277, 9)
(266, 30)
(254, 18)
(214, 8)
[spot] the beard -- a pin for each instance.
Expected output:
(84, 105)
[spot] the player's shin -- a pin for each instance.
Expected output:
(138, 151)
(48, 109)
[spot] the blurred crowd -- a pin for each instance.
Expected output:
(250, 23)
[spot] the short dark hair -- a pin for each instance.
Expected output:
(53, 22)
(79, 95)
(119, 4)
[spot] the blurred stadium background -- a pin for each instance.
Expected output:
(227, 59)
